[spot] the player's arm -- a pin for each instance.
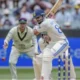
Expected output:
(42, 28)
(8, 38)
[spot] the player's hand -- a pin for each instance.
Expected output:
(3, 59)
(46, 38)
(36, 32)
(5, 45)
(36, 54)
(51, 15)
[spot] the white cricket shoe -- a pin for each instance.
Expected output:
(72, 79)
(35, 79)
(14, 79)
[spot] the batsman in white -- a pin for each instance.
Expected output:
(43, 42)
(58, 43)
(23, 42)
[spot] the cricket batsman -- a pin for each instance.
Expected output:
(23, 42)
(58, 44)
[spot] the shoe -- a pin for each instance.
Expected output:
(14, 79)
(34, 79)
(72, 79)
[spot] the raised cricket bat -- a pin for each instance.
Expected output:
(55, 7)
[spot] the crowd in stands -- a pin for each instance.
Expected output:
(68, 15)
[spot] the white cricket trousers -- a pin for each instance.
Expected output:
(14, 55)
(49, 54)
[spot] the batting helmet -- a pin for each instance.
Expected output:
(38, 13)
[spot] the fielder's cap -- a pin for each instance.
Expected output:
(22, 20)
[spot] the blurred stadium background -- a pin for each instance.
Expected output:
(68, 16)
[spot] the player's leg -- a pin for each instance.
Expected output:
(46, 65)
(69, 64)
(12, 62)
(37, 63)
(48, 55)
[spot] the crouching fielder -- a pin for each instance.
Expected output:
(51, 50)
(37, 61)
(23, 42)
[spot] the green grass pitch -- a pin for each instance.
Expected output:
(28, 74)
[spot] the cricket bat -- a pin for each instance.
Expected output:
(55, 7)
